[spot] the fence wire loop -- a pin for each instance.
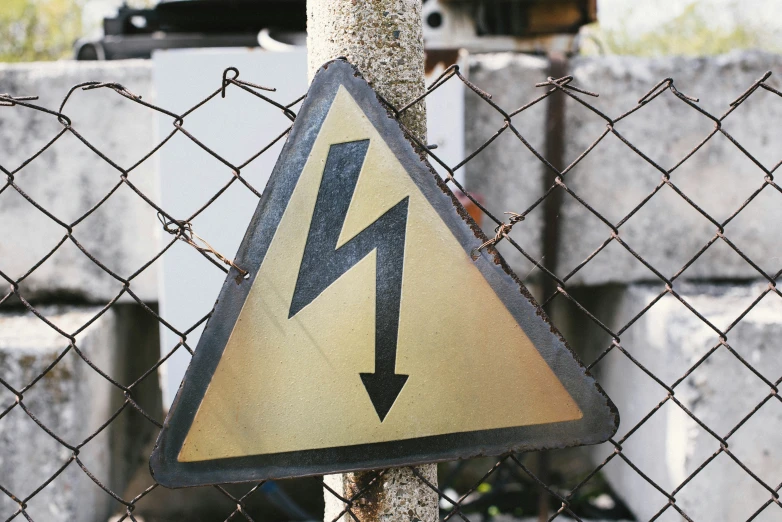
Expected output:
(183, 230)
(6, 100)
(117, 87)
(565, 83)
(502, 231)
(236, 81)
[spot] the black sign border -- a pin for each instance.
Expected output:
(600, 420)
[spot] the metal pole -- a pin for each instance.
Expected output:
(555, 153)
(384, 39)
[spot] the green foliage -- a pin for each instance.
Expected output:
(691, 33)
(34, 30)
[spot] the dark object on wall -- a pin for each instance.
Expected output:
(531, 26)
(524, 18)
(477, 25)
(178, 24)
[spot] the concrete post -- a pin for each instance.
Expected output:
(384, 39)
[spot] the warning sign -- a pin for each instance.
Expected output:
(371, 332)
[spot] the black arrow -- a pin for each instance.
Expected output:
(323, 263)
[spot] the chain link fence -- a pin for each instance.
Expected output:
(482, 489)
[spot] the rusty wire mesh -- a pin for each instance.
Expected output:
(558, 494)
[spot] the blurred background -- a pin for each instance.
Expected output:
(693, 368)
(34, 30)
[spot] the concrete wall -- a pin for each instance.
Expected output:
(70, 400)
(718, 178)
(73, 401)
(68, 179)
(668, 340)
(613, 179)
(614, 286)
(507, 175)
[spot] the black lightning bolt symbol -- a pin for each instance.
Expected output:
(323, 263)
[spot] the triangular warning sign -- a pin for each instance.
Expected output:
(369, 334)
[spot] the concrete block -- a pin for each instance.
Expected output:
(506, 174)
(668, 340)
(719, 177)
(72, 400)
(68, 179)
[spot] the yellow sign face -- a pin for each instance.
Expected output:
(367, 327)
(461, 378)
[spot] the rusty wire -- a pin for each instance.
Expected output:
(182, 229)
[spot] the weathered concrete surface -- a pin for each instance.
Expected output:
(68, 179)
(507, 174)
(382, 38)
(670, 446)
(718, 178)
(72, 400)
(398, 495)
(614, 179)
